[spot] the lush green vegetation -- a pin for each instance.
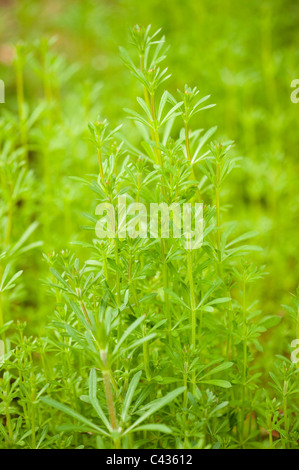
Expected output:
(142, 343)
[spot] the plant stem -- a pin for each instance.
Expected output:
(163, 256)
(244, 311)
(146, 93)
(165, 283)
(117, 273)
(100, 160)
(270, 439)
(185, 383)
(21, 105)
(109, 398)
(218, 209)
(9, 222)
(138, 186)
(187, 141)
(8, 418)
(108, 393)
(146, 354)
(156, 134)
(285, 411)
(145, 344)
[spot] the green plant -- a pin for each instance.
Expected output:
(151, 344)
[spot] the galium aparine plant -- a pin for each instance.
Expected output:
(150, 344)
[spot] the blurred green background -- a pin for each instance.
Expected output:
(245, 54)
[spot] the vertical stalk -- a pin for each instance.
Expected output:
(193, 307)
(187, 141)
(9, 222)
(146, 93)
(100, 161)
(270, 438)
(165, 283)
(163, 256)
(32, 403)
(285, 411)
(185, 383)
(145, 344)
(145, 354)
(109, 396)
(188, 150)
(156, 134)
(33, 438)
(110, 401)
(244, 311)
(117, 273)
(105, 268)
(218, 208)
(1, 312)
(8, 418)
(118, 296)
(138, 186)
(192, 299)
(21, 104)
(229, 346)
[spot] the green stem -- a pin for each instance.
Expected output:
(218, 209)
(9, 223)
(163, 256)
(165, 283)
(185, 383)
(270, 439)
(21, 106)
(146, 354)
(285, 410)
(100, 161)
(8, 419)
(145, 344)
(156, 134)
(146, 93)
(187, 141)
(193, 307)
(138, 187)
(109, 399)
(192, 299)
(109, 395)
(245, 358)
(105, 268)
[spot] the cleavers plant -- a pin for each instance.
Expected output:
(151, 344)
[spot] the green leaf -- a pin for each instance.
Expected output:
(23, 238)
(270, 321)
(60, 279)
(73, 414)
(128, 331)
(220, 368)
(155, 406)
(217, 382)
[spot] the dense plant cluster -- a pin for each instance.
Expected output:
(146, 344)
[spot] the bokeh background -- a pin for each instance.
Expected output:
(245, 54)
